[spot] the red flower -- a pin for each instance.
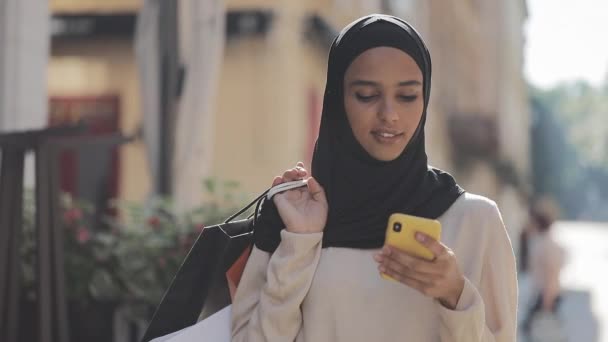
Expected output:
(72, 215)
(83, 235)
(200, 227)
(154, 221)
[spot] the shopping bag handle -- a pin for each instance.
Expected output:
(258, 202)
(268, 194)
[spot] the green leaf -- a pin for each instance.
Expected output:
(210, 185)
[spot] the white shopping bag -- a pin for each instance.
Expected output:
(214, 328)
(547, 327)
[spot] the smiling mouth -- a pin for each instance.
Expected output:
(386, 137)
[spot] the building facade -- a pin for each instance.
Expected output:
(478, 116)
(262, 115)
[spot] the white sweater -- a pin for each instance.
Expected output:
(306, 293)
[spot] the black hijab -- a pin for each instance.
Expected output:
(362, 191)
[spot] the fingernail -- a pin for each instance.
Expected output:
(420, 237)
(378, 257)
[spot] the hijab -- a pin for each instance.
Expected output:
(362, 192)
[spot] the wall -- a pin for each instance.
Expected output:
(267, 89)
(97, 6)
(260, 123)
(102, 67)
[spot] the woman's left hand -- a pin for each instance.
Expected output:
(439, 278)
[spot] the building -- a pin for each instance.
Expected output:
(253, 111)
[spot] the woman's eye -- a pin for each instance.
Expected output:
(410, 98)
(365, 98)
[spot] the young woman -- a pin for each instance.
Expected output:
(546, 259)
(315, 271)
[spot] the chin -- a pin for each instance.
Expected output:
(383, 152)
(385, 156)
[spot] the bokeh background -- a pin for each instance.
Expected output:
(155, 118)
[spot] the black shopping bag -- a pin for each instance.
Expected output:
(202, 285)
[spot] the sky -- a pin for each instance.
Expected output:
(566, 40)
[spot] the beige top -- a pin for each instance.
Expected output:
(306, 293)
(546, 260)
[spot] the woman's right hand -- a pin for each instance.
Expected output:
(303, 210)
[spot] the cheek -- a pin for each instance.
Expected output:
(412, 115)
(360, 116)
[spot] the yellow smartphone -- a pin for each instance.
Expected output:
(401, 230)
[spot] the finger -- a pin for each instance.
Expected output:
(302, 172)
(433, 245)
(291, 175)
(300, 164)
(397, 267)
(410, 261)
(316, 190)
(277, 180)
(405, 279)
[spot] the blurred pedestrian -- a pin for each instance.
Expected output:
(545, 259)
(315, 271)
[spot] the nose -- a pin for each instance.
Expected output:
(388, 111)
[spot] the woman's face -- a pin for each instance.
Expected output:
(383, 98)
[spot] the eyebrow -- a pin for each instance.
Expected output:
(372, 83)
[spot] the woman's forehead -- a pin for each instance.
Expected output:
(384, 62)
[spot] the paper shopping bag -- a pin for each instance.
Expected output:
(214, 328)
(200, 287)
(234, 273)
(207, 279)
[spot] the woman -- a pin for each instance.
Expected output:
(546, 259)
(314, 274)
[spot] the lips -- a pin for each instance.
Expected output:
(386, 132)
(386, 136)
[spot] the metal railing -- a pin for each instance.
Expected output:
(46, 144)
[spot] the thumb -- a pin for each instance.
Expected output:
(316, 190)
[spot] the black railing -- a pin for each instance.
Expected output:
(51, 321)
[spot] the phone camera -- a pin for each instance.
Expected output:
(397, 227)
